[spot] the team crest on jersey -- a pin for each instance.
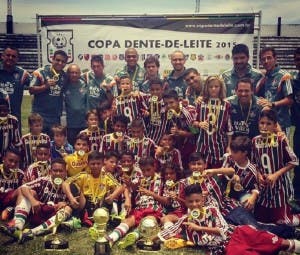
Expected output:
(60, 40)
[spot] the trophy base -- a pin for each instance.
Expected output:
(102, 247)
(56, 244)
(147, 247)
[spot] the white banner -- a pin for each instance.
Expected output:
(207, 43)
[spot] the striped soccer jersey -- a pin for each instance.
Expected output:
(270, 155)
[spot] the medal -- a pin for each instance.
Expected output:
(214, 107)
(154, 98)
(80, 153)
(237, 187)
(55, 76)
(119, 134)
(58, 181)
(196, 214)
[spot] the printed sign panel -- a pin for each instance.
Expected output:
(206, 40)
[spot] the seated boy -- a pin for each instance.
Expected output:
(205, 226)
(10, 179)
(40, 201)
(147, 201)
(97, 189)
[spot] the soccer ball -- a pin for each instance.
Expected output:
(59, 41)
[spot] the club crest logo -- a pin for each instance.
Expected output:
(60, 40)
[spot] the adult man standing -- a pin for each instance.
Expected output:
(75, 103)
(13, 79)
(135, 71)
(47, 87)
(244, 109)
(275, 89)
(99, 84)
(241, 69)
(175, 79)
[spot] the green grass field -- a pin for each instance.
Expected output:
(26, 109)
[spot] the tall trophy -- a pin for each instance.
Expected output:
(98, 232)
(148, 229)
(53, 242)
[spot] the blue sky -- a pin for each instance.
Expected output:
(26, 10)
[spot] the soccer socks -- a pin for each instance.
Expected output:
(118, 232)
(21, 213)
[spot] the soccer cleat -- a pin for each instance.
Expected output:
(175, 243)
(7, 213)
(25, 235)
(127, 241)
(73, 223)
(11, 231)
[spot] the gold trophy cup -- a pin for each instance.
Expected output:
(98, 232)
(148, 229)
(53, 242)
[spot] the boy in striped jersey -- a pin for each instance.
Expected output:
(116, 141)
(42, 165)
(244, 185)
(129, 103)
(35, 137)
(274, 159)
(138, 143)
(93, 132)
(10, 179)
(9, 129)
(233, 212)
(155, 118)
(40, 201)
(214, 122)
(204, 226)
(148, 200)
(179, 119)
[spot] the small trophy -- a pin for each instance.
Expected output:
(148, 229)
(55, 243)
(98, 232)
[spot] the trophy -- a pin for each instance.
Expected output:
(55, 243)
(197, 177)
(98, 232)
(148, 229)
